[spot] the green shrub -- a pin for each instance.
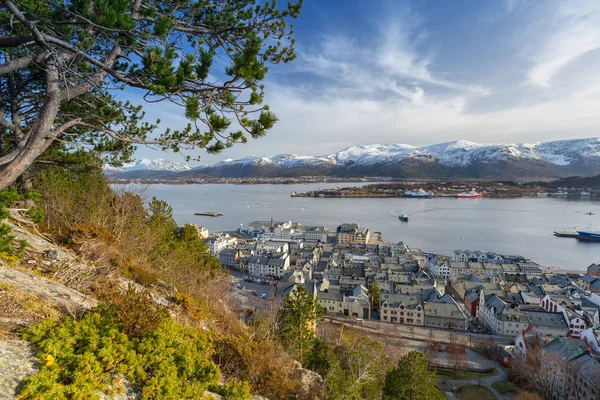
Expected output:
(234, 390)
(80, 358)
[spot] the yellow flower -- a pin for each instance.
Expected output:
(49, 360)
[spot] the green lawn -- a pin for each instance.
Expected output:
(446, 373)
(504, 387)
(474, 393)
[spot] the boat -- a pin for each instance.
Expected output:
(590, 213)
(469, 195)
(585, 194)
(588, 235)
(403, 217)
(209, 214)
(419, 194)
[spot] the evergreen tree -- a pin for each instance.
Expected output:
(296, 321)
(61, 62)
(375, 294)
(411, 380)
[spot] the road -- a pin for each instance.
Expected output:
(418, 332)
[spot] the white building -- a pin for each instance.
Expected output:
(220, 242)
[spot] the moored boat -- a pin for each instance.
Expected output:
(403, 217)
(469, 195)
(418, 194)
(588, 235)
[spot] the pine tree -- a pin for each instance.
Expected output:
(62, 61)
(411, 380)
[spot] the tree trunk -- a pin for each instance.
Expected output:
(41, 135)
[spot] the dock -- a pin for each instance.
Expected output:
(568, 234)
(209, 214)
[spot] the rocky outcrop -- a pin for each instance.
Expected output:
(47, 289)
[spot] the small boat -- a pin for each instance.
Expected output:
(403, 217)
(209, 213)
(585, 194)
(419, 194)
(469, 195)
(590, 213)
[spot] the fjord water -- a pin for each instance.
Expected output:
(520, 226)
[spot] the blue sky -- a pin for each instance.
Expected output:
(423, 72)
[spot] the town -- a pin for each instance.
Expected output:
(469, 294)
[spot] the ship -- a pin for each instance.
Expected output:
(588, 235)
(403, 217)
(469, 195)
(419, 194)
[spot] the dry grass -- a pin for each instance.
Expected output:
(18, 309)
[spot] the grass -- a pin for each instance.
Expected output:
(447, 373)
(504, 387)
(474, 393)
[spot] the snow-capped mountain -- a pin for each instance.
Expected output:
(452, 159)
(460, 159)
(151, 165)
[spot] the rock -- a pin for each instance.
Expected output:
(47, 289)
(17, 361)
(31, 261)
(46, 262)
(53, 254)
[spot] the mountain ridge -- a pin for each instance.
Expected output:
(461, 158)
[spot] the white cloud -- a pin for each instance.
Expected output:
(560, 34)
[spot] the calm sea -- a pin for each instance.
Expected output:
(513, 226)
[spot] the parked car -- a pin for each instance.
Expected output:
(238, 286)
(263, 296)
(254, 293)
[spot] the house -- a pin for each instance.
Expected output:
(219, 242)
(594, 269)
(202, 231)
(575, 367)
(500, 317)
(472, 303)
(526, 340)
(230, 257)
(445, 314)
(547, 324)
(438, 267)
(584, 281)
(357, 304)
(353, 234)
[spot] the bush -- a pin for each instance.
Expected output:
(81, 358)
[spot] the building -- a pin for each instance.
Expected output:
(445, 314)
(438, 267)
(472, 303)
(353, 234)
(358, 304)
(230, 257)
(501, 318)
(217, 243)
(574, 369)
(594, 269)
(202, 231)
(315, 234)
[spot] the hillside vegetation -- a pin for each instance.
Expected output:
(165, 324)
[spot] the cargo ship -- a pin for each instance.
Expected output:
(419, 194)
(588, 235)
(469, 195)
